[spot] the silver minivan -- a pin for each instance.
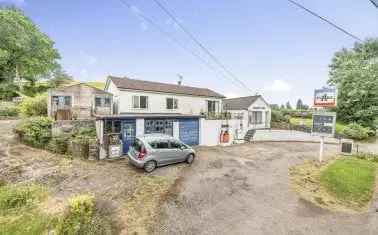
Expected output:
(153, 150)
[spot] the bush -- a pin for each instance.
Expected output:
(83, 218)
(16, 196)
(35, 131)
(59, 144)
(278, 116)
(34, 106)
(356, 131)
(8, 109)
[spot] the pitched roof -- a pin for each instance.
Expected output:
(133, 84)
(239, 103)
(63, 88)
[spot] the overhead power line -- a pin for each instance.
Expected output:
(375, 3)
(201, 45)
(175, 40)
(326, 20)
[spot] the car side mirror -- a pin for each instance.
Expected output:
(182, 147)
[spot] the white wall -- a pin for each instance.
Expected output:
(139, 126)
(261, 105)
(157, 102)
(210, 131)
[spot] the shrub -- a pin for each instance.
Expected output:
(356, 131)
(8, 109)
(16, 196)
(34, 106)
(35, 131)
(83, 218)
(278, 116)
(58, 144)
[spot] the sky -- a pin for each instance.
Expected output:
(275, 48)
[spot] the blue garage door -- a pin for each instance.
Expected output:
(189, 131)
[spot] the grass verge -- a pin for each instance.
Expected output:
(343, 184)
(21, 213)
(350, 180)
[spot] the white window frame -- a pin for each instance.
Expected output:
(216, 106)
(134, 97)
(174, 103)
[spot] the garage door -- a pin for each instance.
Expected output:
(189, 131)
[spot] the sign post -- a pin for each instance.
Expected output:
(324, 123)
(321, 151)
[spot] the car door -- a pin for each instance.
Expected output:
(178, 153)
(163, 154)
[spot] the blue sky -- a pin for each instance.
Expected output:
(277, 49)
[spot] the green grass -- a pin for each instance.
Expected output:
(308, 122)
(350, 180)
(99, 85)
(18, 196)
(19, 213)
(29, 221)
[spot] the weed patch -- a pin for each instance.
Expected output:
(141, 209)
(17, 196)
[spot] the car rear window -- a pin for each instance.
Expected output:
(137, 145)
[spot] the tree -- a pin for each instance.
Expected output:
(274, 106)
(282, 106)
(59, 78)
(288, 106)
(355, 74)
(299, 104)
(25, 51)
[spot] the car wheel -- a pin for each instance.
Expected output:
(150, 166)
(190, 159)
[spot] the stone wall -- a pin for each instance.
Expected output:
(68, 126)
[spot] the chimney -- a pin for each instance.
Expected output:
(179, 82)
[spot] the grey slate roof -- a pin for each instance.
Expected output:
(133, 84)
(239, 103)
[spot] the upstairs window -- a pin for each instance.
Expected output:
(140, 102)
(172, 103)
(102, 101)
(212, 106)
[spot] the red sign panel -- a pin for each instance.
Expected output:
(325, 97)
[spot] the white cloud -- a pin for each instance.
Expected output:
(15, 2)
(278, 85)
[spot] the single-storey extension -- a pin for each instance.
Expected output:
(78, 101)
(253, 112)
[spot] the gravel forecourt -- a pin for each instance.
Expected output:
(245, 189)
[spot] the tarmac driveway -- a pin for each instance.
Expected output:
(245, 189)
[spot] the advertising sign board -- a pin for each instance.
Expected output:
(325, 97)
(324, 123)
